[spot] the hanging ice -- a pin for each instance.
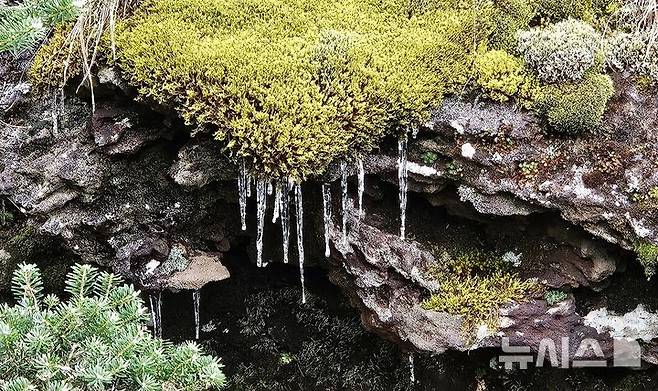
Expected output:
(412, 369)
(343, 191)
(270, 188)
(402, 180)
(326, 206)
(261, 205)
(361, 177)
(155, 300)
(300, 234)
(277, 202)
(284, 213)
(242, 194)
(248, 181)
(414, 131)
(196, 298)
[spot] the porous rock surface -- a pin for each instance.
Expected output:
(123, 185)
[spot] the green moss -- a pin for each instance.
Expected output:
(647, 254)
(578, 107)
(502, 76)
(429, 157)
(510, 16)
(176, 261)
(529, 170)
(294, 85)
(653, 193)
(53, 66)
(556, 10)
(555, 296)
(475, 285)
(478, 298)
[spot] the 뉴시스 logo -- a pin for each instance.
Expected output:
(626, 354)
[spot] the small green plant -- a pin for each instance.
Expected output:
(23, 26)
(647, 254)
(286, 358)
(175, 262)
(555, 296)
(653, 192)
(429, 157)
(454, 169)
(6, 217)
(475, 285)
(529, 170)
(95, 340)
(578, 107)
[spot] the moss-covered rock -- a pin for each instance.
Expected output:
(54, 64)
(502, 76)
(294, 85)
(475, 286)
(577, 108)
(647, 253)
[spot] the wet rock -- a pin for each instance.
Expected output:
(201, 162)
(202, 269)
(384, 277)
(497, 204)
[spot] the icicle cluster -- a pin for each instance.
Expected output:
(402, 180)
(326, 207)
(300, 235)
(281, 211)
(196, 298)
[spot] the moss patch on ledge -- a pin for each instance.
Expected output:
(647, 254)
(475, 286)
(291, 85)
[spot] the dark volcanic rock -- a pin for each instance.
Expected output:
(130, 188)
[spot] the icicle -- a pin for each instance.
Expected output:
(414, 131)
(343, 189)
(248, 182)
(156, 313)
(55, 113)
(277, 202)
(361, 175)
(242, 193)
(270, 188)
(412, 369)
(261, 205)
(402, 180)
(300, 235)
(196, 297)
(284, 214)
(326, 204)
